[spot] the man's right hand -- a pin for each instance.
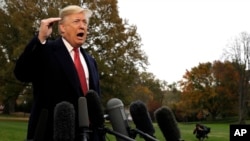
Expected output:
(46, 28)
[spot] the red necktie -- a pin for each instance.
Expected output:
(80, 71)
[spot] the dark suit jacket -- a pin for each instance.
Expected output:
(54, 79)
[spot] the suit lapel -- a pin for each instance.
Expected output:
(64, 58)
(89, 65)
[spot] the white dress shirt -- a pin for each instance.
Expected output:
(84, 64)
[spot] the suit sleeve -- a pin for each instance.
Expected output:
(28, 62)
(97, 79)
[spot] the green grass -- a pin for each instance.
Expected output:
(12, 130)
(15, 130)
(219, 131)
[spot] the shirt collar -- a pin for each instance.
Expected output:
(68, 46)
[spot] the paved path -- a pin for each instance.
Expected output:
(15, 118)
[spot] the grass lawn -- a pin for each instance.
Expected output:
(219, 131)
(14, 129)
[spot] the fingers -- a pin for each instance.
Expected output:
(55, 19)
(48, 22)
(46, 28)
(51, 20)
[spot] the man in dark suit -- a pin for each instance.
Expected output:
(49, 66)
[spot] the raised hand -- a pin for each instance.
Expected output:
(46, 28)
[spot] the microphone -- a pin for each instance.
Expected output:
(97, 119)
(64, 122)
(83, 118)
(168, 124)
(96, 115)
(142, 120)
(95, 110)
(118, 119)
(41, 125)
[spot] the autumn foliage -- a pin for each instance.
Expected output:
(212, 87)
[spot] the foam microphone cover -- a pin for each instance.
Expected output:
(96, 115)
(64, 122)
(167, 123)
(141, 118)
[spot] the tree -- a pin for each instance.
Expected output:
(171, 95)
(227, 84)
(117, 48)
(238, 51)
(112, 41)
(20, 21)
(212, 87)
(150, 90)
(147, 84)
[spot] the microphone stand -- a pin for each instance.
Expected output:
(146, 136)
(119, 135)
(85, 134)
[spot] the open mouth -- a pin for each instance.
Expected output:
(80, 34)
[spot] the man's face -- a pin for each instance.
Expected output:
(74, 29)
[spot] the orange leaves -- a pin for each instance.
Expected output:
(210, 86)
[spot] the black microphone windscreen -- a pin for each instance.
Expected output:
(141, 118)
(83, 112)
(64, 122)
(167, 123)
(41, 125)
(96, 115)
